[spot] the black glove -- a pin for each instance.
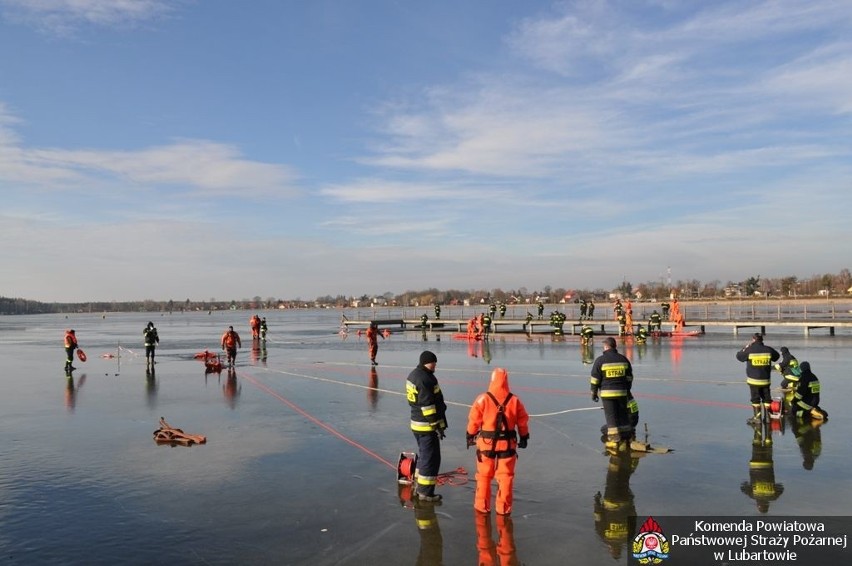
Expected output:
(522, 443)
(441, 434)
(595, 397)
(471, 439)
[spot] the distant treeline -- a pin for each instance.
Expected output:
(26, 306)
(790, 287)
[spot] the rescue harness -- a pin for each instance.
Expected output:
(502, 432)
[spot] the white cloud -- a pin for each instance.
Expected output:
(196, 166)
(208, 166)
(63, 17)
(680, 96)
(381, 191)
(823, 77)
(380, 227)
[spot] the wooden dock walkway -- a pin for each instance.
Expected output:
(601, 327)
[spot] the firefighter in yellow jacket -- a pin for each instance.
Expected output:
(428, 423)
(759, 359)
(497, 424)
(611, 382)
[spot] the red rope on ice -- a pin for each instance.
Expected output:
(456, 477)
(315, 420)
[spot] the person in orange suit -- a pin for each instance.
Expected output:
(472, 331)
(70, 346)
(679, 321)
(373, 342)
(230, 342)
(498, 424)
(254, 323)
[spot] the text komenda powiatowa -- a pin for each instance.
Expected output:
(769, 536)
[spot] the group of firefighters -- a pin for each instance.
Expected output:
(624, 316)
(478, 327)
(498, 422)
(800, 386)
(230, 342)
(498, 425)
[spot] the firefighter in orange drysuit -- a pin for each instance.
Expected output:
(472, 332)
(491, 426)
(230, 342)
(675, 310)
(373, 342)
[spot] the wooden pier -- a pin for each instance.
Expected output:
(601, 327)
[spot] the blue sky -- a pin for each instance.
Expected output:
(174, 149)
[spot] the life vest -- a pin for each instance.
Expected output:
(230, 339)
(372, 335)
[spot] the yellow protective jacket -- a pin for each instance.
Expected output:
(612, 375)
(428, 409)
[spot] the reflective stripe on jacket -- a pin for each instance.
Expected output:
(428, 410)
(758, 357)
(612, 375)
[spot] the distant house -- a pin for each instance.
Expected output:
(733, 291)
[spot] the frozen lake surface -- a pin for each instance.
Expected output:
(299, 466)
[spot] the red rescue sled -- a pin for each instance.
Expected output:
(463, 336)
(81, 355)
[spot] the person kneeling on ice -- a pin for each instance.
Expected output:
(633, 417)
(496, 421)
(586, 334)
(788, 367)
(806, 398)
(641, 334)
